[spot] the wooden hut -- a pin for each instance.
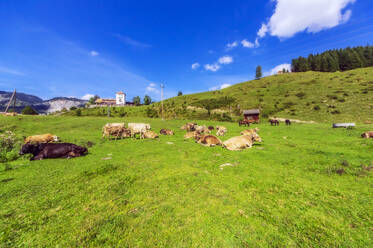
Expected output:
(251, 115)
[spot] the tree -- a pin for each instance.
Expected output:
(136, 100)
(147, 100)
(258, 72)
(28, 110)
(180, 93)
(93, 99)
(213, 103)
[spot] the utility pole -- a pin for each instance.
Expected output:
(162, 86)
(10, 102)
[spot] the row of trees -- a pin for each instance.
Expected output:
(137, 101)
(335, 60)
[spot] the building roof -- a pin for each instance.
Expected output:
(120, 93)
(100, 100)
(251, 111)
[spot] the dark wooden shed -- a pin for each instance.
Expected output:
(251, 115)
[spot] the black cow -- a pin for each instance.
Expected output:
(53, 150)
(287, 122)
(274, 122)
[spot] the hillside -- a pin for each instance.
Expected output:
(318, 96)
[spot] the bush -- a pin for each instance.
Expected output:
(78, 112)
(73, 108)
(28, 110)
(317, 108)
(300, 94)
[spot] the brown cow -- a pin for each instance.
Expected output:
(189, 126)
(367, 135)
(189, 135)
(150, 135)
(42, 138)
(241, 142)
(117, 131)
(208, 140)
(166, 132)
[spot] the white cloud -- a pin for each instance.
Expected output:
(278, 68)
(195, 66)
(232, 45)
(225, 60)
(94, 53)
(220, 87)
(10, 71)
(87, 96)
(293, 16)
(246, 43)
(213, 67)
(131, 42)
(152, 88)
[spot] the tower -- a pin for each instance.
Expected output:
(120, 98)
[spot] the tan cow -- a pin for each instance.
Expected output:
(193, 134)
(208, 140)
(250, 131)
(166, 132)
(115, 130)
(189, 126)
(367, 135)
(241, 142)
(202, 129)
(138, 128)
(150, 135)
(221, 130)
(42, 138)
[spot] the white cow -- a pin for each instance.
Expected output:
(140, 128)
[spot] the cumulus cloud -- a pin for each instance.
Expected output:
(152, 88)
(232, 45)
(93, 53)
(87, 96)
(212, 67)
(195, 66)
(220, 87)
(225, 60)
(293, 16)
(247, 44)
(278, 68)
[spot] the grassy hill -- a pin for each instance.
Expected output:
(317, 96)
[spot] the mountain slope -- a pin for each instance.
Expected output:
(318, 96)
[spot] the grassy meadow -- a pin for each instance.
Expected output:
(306, 185)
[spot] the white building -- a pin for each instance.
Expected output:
(120, 98)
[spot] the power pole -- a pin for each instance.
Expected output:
(10, 102)
(162, 86)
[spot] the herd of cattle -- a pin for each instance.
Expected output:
(43, 146)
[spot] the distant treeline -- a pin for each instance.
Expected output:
(335, 60)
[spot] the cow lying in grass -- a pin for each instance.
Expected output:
(208, 140)
(221, 130)
(166, 132)
(249, 131)
(150, 135)
(241, 142)
(189, 126)
(367, 135)
(53, 150)
(42, 138)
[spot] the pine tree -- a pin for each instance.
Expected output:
(258, 72)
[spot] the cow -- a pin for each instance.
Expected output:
(202, 129)
(243, 122)
(138, 128)
(115, 130)
(150, 135)
(287, 122)
(210, 128)
(241, 142)
(42, 138)
(192, 134)
(367, 135)
(53, 150)
(189, 126)
(208, 140)
(274, 122)
(166, 132)
(221, 130)
(249, 131)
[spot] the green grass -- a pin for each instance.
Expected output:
(284, 192)
(317, 96)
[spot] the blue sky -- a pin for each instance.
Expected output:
(79, 47)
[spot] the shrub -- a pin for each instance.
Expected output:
(73, 108)
(28, 110)
(300, 94)
(78, 112)
(335, 112)
(317, 108)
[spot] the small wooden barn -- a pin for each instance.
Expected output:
(251, 115)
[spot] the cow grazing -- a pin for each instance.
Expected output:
(53, 150)
(274, 122)
(243, 122)
(208, 140)
(115, 130)
(367, 135)
(150, 135)
(287, 122)
(249, 131)
(221, 130)
(241, 142)
(138, 128)
(166, 132)
(42, 138)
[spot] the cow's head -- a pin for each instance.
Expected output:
(364, 135)
(55, 138)
(29, 148)
(256, 137)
